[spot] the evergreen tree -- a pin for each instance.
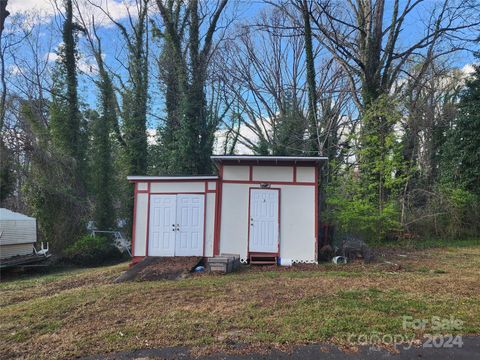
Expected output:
(290, 129)
(461, 152)
(66, 120)
(56, 188)
(52, 190)
(190, 145)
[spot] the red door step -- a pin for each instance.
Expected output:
(263, 259)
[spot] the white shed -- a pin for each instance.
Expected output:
(18, 233)
(260, 207)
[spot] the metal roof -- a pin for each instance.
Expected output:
(275, 159)
(167, 178)
(6, 214)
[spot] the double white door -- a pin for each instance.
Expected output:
(176, 225)
(264, 220)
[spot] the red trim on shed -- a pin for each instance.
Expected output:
(316, 213)
(177, 192)
(218, 211)
(136, 260)
(268, 182)
(148, 220)
(205, 217)
(134, 218)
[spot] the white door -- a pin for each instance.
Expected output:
(162, 225)
(264, 221)
(190, 220)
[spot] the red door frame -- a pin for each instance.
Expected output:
(249, 206)
(148, 191)
(180, 193)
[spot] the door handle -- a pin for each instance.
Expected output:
(178, 227)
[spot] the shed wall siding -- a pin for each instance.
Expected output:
(142, 186)
(18, 231)
(234, 219)
(297, 221)
(273, 173)
(209, 223)
(305, 174)
(177, 187)
(236, 172)
(141, 215)
(212, 185)
(7, 251)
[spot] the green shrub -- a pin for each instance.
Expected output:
(93, 250)
(354, 214)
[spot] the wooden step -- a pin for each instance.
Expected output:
(263, 259)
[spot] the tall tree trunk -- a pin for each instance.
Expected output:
(314, 131)
(73, 136)
(4, 13)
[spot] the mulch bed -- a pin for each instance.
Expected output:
(160, 268)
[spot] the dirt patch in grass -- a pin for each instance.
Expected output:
(160, 268)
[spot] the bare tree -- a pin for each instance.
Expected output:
(4, 13)
(265, 69)
(370, 49)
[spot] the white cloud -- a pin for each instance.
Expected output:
(117, 9)
(85, 64)
(240, 148)
(14, 70)
(468, 69)
(45, 7)
(51, 56)
(152, 136)
(103, 10)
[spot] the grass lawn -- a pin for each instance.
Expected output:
(81, 312)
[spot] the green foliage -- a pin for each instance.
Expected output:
(93, 251)
(380, 152)
(365, 201)
(67, 125)
(101, 172)
(461, 153)
(51, 193)
(7, 180)
(134, 96)
(352, 213)
(187, 137)
(448, 211)
(56, 188)
(290, 129)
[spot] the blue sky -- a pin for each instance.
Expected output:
(243, 11)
